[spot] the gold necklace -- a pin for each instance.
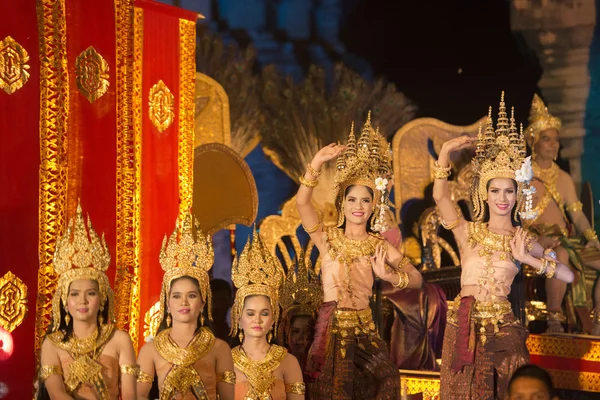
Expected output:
(198, 347)
(549, 177)
(259, 373)
(479, 234)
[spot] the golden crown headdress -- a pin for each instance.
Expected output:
(80, 254)
(301, 294)
(501, 154)
(540, 119)
(255, 272)
(365, 162)
(187, 252)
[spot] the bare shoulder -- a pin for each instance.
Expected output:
(48, 345)
(290, 361)
(221, 347)
(122, 336)
(565, 177)
(147, 350)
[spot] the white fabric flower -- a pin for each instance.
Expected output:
(525, 174)
(381, 184)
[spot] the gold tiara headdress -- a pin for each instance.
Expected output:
(256, 272)
(186, 254)
(540, 119)
(501, 154)
(80, 254)
(365, 162)
(301, 294)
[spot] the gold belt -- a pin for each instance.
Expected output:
(357, 322)
(484, 312)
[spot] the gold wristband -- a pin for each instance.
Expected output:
(590, 234)
(543, 268)
(312, 230)
(296, 388)
(402, 280)
(577, 206)
(403, 262)
(307, 183)
(133, 369)
(551, 269)
(441, 172)
(144, 377)
(226, 377)
(46, 371)
(449, 226)
(312, 172)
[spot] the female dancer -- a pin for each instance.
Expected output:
(83, 355)
(185, 355)
(264, 371)
(484, 343)
(348, 359)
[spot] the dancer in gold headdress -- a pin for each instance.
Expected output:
(83, 355)
(555, 197)
(185, 355)
(348, 359)
(300, 297)
(264, 371)
(484, 343)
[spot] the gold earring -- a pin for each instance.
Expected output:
(201, 320)
(100, 319)
(241, 336)
(269, 337)
(67, 318)
(168, 319)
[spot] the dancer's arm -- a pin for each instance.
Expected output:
(225, 372)
(127, 362)
(292, 377)
(146, 362)
(54, 382)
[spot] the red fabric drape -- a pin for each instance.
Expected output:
(19, 207)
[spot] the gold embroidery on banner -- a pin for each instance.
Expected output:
(161, 106)
(152, 320)
(428, 386)
(187, 86)
(91, 70)
(13, 65)
(575, 380)
(581, 349)
(124, 255)
(138, 42)
(54, 106)
(13, 301)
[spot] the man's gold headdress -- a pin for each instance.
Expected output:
(301, 294)
(256, 272)
(80, 254)
(540, 119)
(186, 254)
(366, 163)
(501, 154)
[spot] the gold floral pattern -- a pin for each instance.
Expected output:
(13, 301)
(13, 65)
(161, 106)
(91, 72)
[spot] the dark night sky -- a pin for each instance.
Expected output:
(421, 44)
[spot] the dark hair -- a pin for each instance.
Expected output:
(514, 214)
(163, 323)
(343, 225)
(534, 372)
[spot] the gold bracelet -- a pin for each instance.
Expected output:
(577, 206)
(403, 262)
(226, 377)
(590, 234)
(596, 316)
(451, 225)
(556, 316)
(307, 183)
(312, 172)
(295, 388)
(551, 269)
(46, 371)
(133, 369)
(402, 280)
(441, 172)
(144, 377)
(543, 268)
(312, 230)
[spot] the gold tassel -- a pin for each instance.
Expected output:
(100, 319)
(67, 319)
(269, 337)
(241, 336)
(201, 320)
(169, 319)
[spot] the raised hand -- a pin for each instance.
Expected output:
(325, 154)
(459, 143)
(518, 246)
(378, 262)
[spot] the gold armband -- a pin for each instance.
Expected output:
(590, 234)
(577, 206)
(226, 377)
(307, 183)
(295, 388)
(132, 369)
(313, 229)
(441, 172)
(46, 371)
(451, 225)
(144, 377)
(312, 172)
(405, 261)
(402, 280)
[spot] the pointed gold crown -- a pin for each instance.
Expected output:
(361, 164)
(256, 272)
(540, 119)
(301, 294)
(187, 252)
(500, 154)
(80, 254)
